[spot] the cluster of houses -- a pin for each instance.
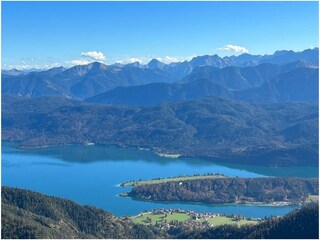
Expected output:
(193, 215)
(197, 219)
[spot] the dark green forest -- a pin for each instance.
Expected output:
(27, 214)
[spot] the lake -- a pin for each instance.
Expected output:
(90, 175)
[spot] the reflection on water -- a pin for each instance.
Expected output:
(89, 154)
(303, 172)
(21, 164)
(89, 175)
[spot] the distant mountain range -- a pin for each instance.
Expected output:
(180, 70)
(80, 81)
(84, 81)
(294, 82)
(299, 85)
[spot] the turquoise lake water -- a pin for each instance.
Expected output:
(90, 175)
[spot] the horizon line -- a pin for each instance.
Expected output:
(66, 66)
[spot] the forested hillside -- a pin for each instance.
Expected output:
(261, 134)
(27, 214)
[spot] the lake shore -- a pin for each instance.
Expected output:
(172, 179)
(221, 156)
(248, 204)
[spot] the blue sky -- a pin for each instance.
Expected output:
(47, 34)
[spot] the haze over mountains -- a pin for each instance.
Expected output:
(202, 76)
(293, 82)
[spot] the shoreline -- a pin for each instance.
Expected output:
(219, 159)
(257, 204)
(168, 155)
(181, 178)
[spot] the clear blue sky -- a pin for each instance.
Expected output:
(44, 34)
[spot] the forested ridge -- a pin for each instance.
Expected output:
(259, 134)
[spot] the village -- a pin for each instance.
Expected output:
(166, 218)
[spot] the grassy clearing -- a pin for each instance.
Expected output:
(312, 198)
(143, 218)
(171, 179)
(243, 222)
(221, 220)
(178, 217)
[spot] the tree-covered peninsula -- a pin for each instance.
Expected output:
(276, 190)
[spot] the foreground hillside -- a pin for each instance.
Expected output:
(26, 214)
(263, 134)
(299, 224)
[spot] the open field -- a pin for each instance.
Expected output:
(152, 218)
(221, 220)
(143, 218)
(312, 198)
(170, 179)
